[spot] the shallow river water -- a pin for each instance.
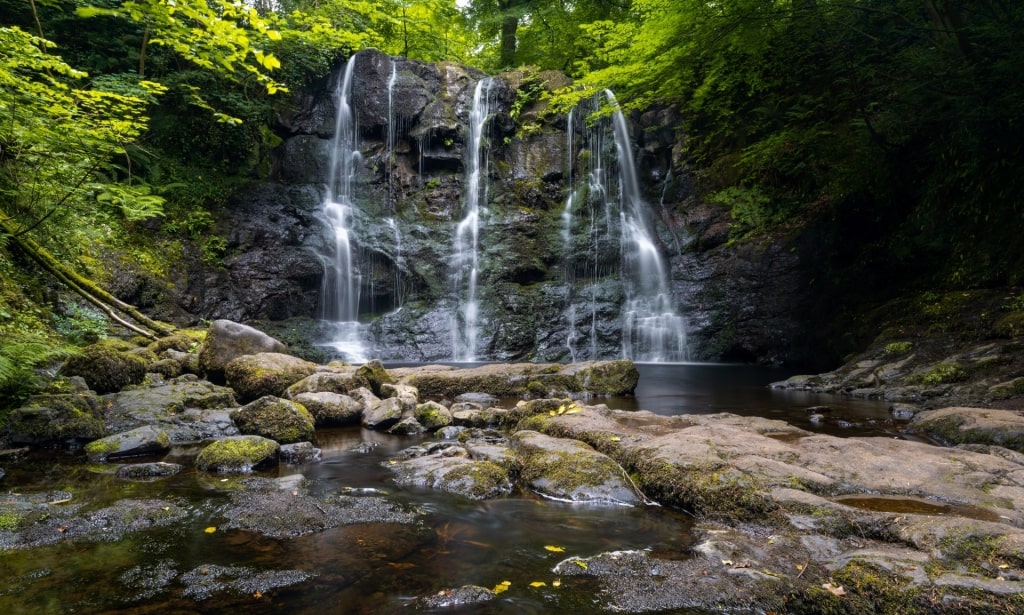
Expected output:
(377, 568)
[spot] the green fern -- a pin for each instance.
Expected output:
(19, 358)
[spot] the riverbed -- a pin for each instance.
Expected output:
(509, 544)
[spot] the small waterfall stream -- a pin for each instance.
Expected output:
(466, 257)
(340, 288)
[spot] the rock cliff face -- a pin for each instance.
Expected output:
(549, 286)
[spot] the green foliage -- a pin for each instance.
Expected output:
(80, 324)
(902, 347)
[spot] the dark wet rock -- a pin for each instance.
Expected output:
(330, 409)
(278, 419)
(165, 404)
(106, 367)
(452, 432)
(145, 582)
(456, 597)
(1, 473)
(266, 508)
(959, 425)
(56, 418)
(265, 373)
(227, 340)
(433, 415)
(137, 442)
(143, 471)
(43, 519)
(903, 412)
(448, 467)
(237, 454)
(206, 581)
(299, 453)
(571, 470)
(382, 413)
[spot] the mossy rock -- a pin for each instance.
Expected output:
(433, 415)
(957, 425)
(237, 454)
(373, 376)
(605, 377)
(105, 368)
(227, 340)
(56, 418)
(331, 408)
(277, 419)
(265, 373)
(146, 440)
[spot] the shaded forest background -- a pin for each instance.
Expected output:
(883, 136)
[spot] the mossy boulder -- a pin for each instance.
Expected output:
(433, 415)
(331, 409)
(265, 373)
(373, 376)
(449, 468)
(279, 419)
(106, 368)
(146, 440)
(227, 340)
(604, 377)
(237, 454)
(571, 470)
(56, 418)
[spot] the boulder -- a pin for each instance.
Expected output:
(604, 377)
(433, 415)
(408, 426)
(106, 367)
(407, 395)
(237, 454)
(56, 418)
(448, 467)
(278, 419)
(187, 408)
(331, 408)
(324, 382)
(137, 442)
(373, 376)
(299, 453)
(265, 373)
(382, 413)
(567, 469)
(146, 471)
(227, 340)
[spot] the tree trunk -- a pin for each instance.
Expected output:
(84, 287)
(509, 24)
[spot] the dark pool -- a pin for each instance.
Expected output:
(375, 568)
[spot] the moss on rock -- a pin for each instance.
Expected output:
(265, 373)
(237, 454)
(106, 368)
(278, 419)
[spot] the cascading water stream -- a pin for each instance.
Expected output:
(466, 257)
(651, 330)
(340, 288)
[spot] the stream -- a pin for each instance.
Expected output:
(375, 568)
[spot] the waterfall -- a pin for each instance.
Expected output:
(466, 257)
(651, 330)
(605, 190)
(339, 297)
(392, 128)
(399, 295)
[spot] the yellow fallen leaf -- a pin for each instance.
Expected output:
(556, 583)
(727, 562)
(554, 549)
(210, 530)
(538, 584)
(1003, 566)
(551, 412)
(799, 566)
(582, 564)
(615, 438)
(573, 410)
(503, 586)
